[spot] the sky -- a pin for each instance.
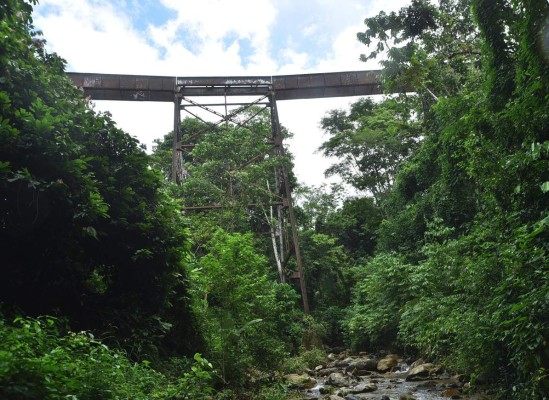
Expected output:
(214, 38)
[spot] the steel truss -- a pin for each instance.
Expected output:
(258, 95)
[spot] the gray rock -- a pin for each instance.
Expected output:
(367, 364)
(363, 388)
(342, 363)
(327, 371)
(338, 379)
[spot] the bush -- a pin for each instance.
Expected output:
(38, 362)
(250, 322)
(382, 288)
(307, 359)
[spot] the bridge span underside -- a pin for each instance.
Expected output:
(285, 87)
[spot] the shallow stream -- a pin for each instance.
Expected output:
(393, 386)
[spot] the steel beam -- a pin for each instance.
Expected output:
(286, 87)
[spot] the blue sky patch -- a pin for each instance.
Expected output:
(246, 51)
(148, 12)
(190, 40)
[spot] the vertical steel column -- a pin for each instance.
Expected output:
(176, 156)
(277, 137)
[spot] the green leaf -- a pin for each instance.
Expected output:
(4, 167)
(90, 231)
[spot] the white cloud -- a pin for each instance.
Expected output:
(204, 38)
(311, 29)
(214, 19)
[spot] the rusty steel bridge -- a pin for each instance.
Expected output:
(216, 95)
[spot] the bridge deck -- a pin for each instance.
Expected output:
(286, 87)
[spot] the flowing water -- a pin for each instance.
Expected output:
(395, 387)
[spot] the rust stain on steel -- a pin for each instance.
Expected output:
(224, 81)
(286, 87)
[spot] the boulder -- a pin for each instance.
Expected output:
(297, 381)
(344, 363)
(417, 363)
(338, 379)
(388, 363)
(366, 364)
(334, 397)
(363, 388)
(422, 371)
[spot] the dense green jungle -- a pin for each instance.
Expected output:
(110, 290)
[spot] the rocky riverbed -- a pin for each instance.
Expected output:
(365, 376)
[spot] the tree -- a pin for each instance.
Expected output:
(353, 221)
(371, 141)
(86, 229)
(468, 211)
(431, 50)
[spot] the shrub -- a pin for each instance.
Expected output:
(38, 362)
